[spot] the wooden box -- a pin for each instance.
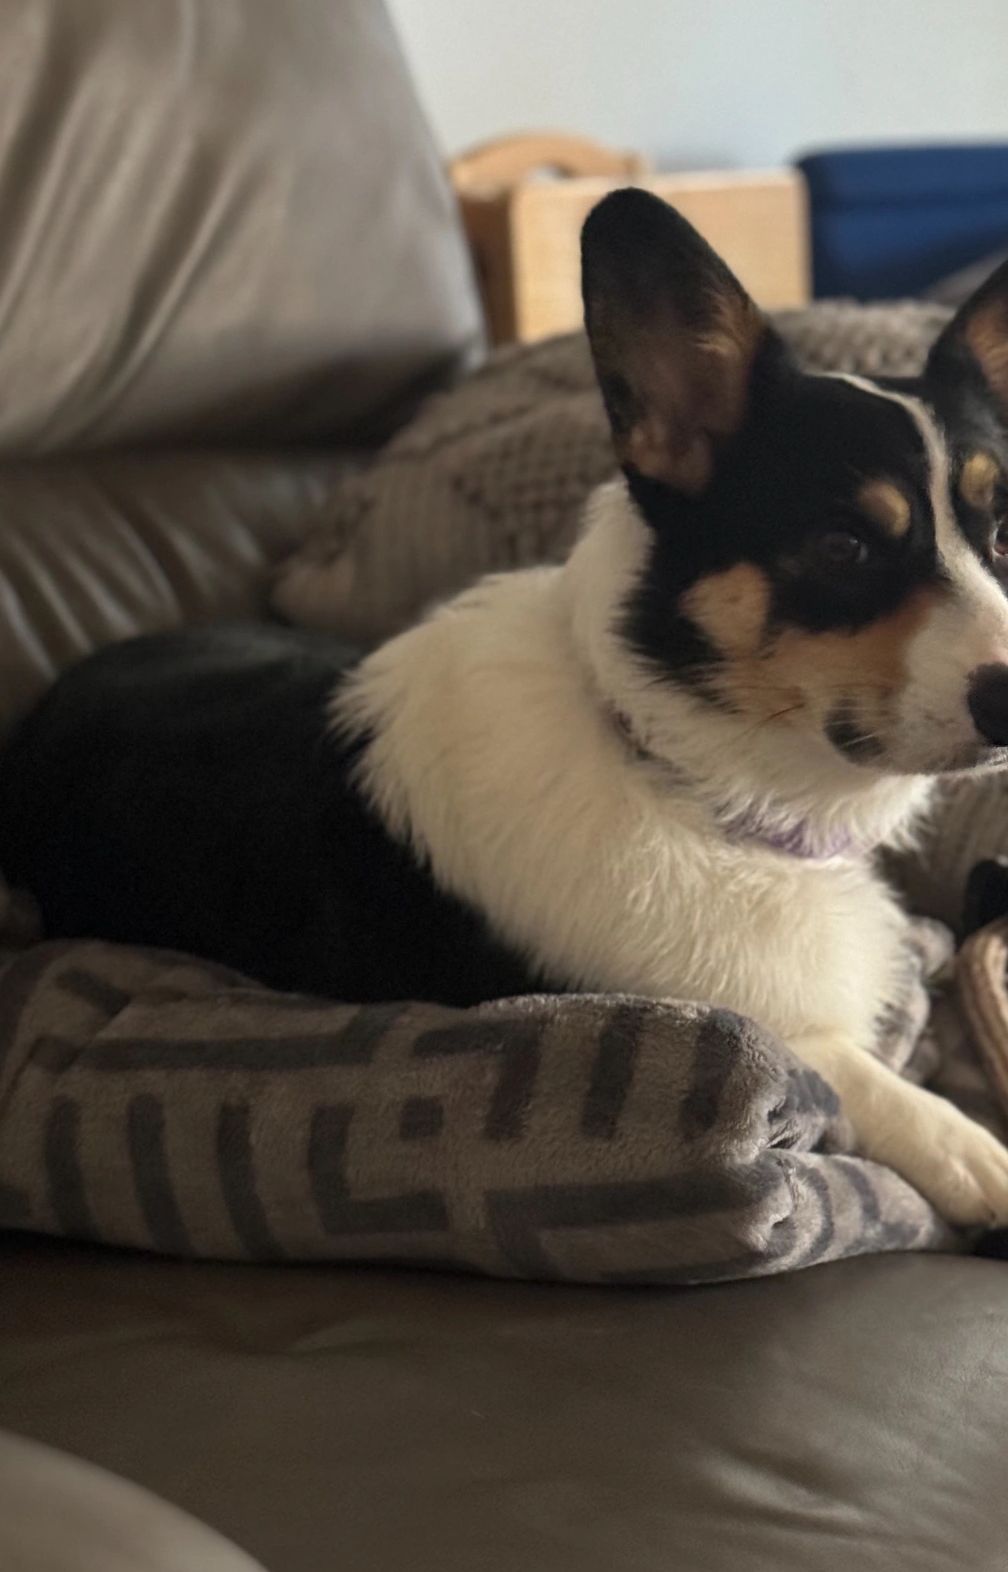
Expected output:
(524, 230)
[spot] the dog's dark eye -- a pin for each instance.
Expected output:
(841, 548)
(999, 539)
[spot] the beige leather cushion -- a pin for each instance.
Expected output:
(220, 218)
(95, 549)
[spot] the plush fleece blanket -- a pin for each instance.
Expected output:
(154, 1101)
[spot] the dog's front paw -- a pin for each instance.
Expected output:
(956, 1164)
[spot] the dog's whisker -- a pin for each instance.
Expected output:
(765, 720)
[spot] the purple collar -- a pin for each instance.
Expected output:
(796, 839)
(793, 840)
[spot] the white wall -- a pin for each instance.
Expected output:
(712, 82)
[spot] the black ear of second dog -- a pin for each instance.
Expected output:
(975, 343)
(673, 335)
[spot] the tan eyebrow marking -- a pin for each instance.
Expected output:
(886, 504)
(980, 475)
(730, 607)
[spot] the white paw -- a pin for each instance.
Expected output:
(956, 1164)
(960, 1167)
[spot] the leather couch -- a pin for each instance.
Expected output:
(229, 263)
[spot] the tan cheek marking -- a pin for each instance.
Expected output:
(819, 671)
(886, 504)
(730, 608)
(869, 665)
(980, 475)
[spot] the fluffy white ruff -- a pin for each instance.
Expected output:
(495, 755)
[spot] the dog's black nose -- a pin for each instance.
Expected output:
(988, 703)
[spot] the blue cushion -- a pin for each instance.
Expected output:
(888, 222)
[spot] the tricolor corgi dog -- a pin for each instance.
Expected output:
(662, 768)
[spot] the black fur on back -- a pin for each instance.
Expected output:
(185, 791)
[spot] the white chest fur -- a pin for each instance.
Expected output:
(494, 756)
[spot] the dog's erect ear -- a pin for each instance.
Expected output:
(976, 340)
(673, 334)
